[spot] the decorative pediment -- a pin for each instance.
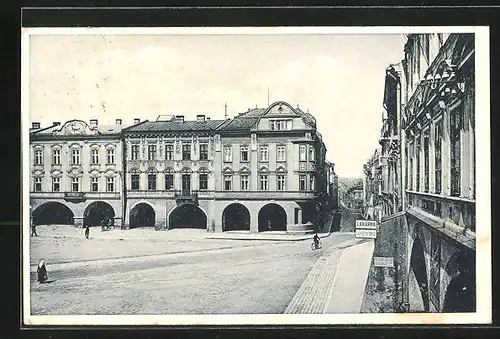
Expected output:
(75, 172)
(110, 173)
(38, 147)
(134, 171)
(94, 146)
(56, 173)
(56, 146)
(244, 170)
(76, 127)
(186, 170)
(108, 146)
(169, 170)
(263, 169)
(203, 170)
(38, 173)
(280, 108)
(227, 170)
(94, 173)
(152, 170)
(281, 169)
(75, 145)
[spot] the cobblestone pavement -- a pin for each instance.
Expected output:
(335, 284)
(258, 279)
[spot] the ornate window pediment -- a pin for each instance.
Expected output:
(75, 172)
(38, 173)
(94, 173)
(108, 146)
(75, 146)
(56, 146)
(281, 169)
(134, 171)
(203, 170)
(186, 170)
(244, 170)
(56, 173)
(94, 146)
(38, 147)
(227, 171)
(169, 170)
(76, 127)
(152, 170)
(263, 169)
(110, 173)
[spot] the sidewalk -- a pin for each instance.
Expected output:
(336, 282)
(273, 236)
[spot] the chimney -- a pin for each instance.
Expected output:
(56, 123)
(179, 118)
(118, 121)
(207, 118)
(200, 117)
(137, 120)
(35, 125)
(93, 122)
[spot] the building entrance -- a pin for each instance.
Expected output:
(187, 216)
(96, 212)
(142, 215)
(272, 217)
(236, 217)
(53, 213)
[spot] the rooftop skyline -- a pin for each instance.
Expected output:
(338, 78)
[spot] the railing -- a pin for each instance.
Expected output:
(186, 194)
(460, 211)
(75, 195)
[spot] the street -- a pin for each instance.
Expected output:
(202, 276)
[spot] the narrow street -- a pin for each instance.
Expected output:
(258, 278)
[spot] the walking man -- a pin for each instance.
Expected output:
(87, 231)
(33, 228)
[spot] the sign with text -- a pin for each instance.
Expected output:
(366, 224)
(383, 261)
(367, 234)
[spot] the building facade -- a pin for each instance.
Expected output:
(264, 170)
(439, 169)
(76, 173)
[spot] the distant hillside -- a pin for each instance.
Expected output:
(348, 181)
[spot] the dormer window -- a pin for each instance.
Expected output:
(280, 125)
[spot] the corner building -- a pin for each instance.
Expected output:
(76, 173)
(264, 170)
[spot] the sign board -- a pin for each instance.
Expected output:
(366, 224)
(367, 234)
(383, 261)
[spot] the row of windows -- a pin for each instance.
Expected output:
(76, 184)
(455, 149)
(227, 153)
(75, 156)
(280, 125)
(228, 182)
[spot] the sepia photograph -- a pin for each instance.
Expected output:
(243, 175)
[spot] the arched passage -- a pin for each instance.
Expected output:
(272, 217)
(461, 291)
(187, 216)
(96, 212)
(419, 272)
(142, 215)
(53, 213)
(236, 217)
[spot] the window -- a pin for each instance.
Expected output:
(56, 184)
(95, 185)
(281, 182)
(151, 182)
(75, 157)
(312, 182)
(151, 152)
(135, 152)
(455, 128)
(406, 172)
(203, 151)
(75, 184)
(134, 181)
(38, 157)
(302, 153)
(411, 173)
(56, 157)
(264, 154)
(227, 182)
(203, 182)
(110, 184)
(263, 182)
(186, 152)
(280, 153)
(228, 155)
(244, 154)
(311, 154)
(111, 155)
(426, 162)
(169, 182)
(280, 125)
(302, 183)
(38, 184)
(244, 182)
(95, 156)
(417, 163)
(169, 152)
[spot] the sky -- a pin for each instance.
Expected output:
(339, 78)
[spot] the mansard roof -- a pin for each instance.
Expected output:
(175, 126)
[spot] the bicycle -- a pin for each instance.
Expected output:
(316, 247)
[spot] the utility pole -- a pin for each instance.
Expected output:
(225, 110)
(267, 96)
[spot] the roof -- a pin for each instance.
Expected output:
(59, 129)
(167, 126)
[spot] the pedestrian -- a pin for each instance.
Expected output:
(33, 229)
(269, 225)
(87, 231)
(42, 272)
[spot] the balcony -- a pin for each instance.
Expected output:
(151, 194)
(186, 195)
(75, 196)
(266, 195)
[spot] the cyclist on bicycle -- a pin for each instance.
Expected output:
(316, 240)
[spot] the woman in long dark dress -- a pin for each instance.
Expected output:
(42, 272)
